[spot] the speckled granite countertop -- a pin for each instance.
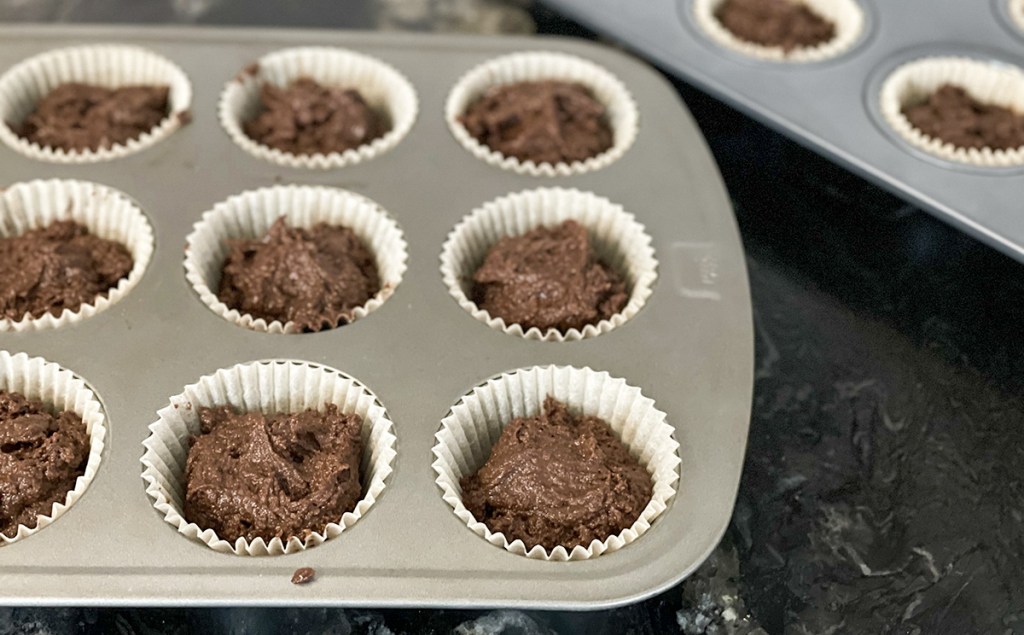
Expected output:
(884, 484)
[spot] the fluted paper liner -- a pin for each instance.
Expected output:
(106, 212)
(276, 386)
(618, 239)
(385, 90)
(986, 81)
(523, 67)
(250, 215)
(469, 432)
(108, 65)
(846, 15)
(1017, 12)
(62, 391)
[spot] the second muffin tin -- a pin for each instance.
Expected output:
(689, 348)
(831, 106)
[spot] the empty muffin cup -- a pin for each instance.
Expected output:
(620, 108)
(61, 391)
(385, 90)
(986, 81)
(846, 16)
(104, 211)
(617, 238)
(251, 214)
(270, 387)
(474, 424)
(105, 65)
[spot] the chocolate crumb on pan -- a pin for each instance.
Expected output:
(303, 575)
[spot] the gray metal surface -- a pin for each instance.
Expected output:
(827, 106)
(690, 348)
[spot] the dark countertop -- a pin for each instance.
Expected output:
(884, 485)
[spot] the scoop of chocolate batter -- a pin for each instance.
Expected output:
(312, 277)
(790, 24)
(548, 278)
(308, 118)
(282, 475)
(558, 479)
(952, 115)
(79, 117)
(61, 266)
(543, 122)
(41, 457)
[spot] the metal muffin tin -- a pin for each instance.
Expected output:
(690, 348)
(831, 106)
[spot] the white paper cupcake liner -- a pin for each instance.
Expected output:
(61, 390)
(106, 212)
(986, 81)
(1017, 12)
(524, 67)
(469, 432)
(618, 239)
(384, 89)
(250, 215)
(107, 65)
(846, 15)
(276, 386)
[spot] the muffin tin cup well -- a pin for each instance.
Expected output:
(106, 212)
(384, 88)
(536, 66)
(474, 424)
(61, 390)
(847, 15)
(986, 81)
(250, 214)
(276, 386)
(618, 238)
(107, 65)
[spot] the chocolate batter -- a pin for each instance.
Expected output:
(952, 115)
(282, 475)
(543, 122)
(548, 278)
(558, 479)
(41, 457)
(312, 277)
(308, 118)
(790, 24)
(80, 117)
(61, 266)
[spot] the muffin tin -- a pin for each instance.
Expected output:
(689, 348)
(832, 105)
